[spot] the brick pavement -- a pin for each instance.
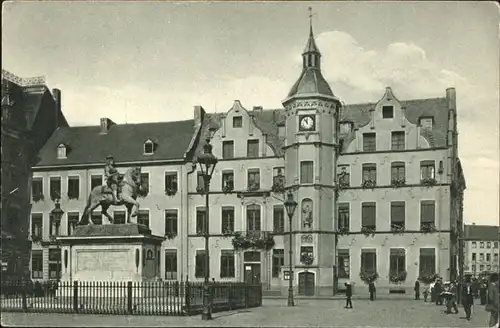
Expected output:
(275, 313)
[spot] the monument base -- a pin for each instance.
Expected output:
(114, 252)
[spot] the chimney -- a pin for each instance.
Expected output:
(199, 115)
(106, 124)
(56, 94)
(451, 98)
(257, 108)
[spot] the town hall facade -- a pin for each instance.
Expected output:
(379, 188)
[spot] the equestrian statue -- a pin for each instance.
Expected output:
(119, 190)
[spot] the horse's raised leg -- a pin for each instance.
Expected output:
(130, 203)
(104, 211)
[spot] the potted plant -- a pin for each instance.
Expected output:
(367, 231)
(428, 182)
(306, 258)
(228, 187)
(396, 183)
(38, 197)
(368, 277)
(170, 235)
(36, 238)
(398, 277)
(369, 184)
(428, 228)
(343, 231)
(227, 231)
(143, 192)
(397, 228)
(253, 241)
(171, 191)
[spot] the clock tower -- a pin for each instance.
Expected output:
(312, 112)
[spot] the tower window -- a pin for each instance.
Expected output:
(387, 111)
(148, 147)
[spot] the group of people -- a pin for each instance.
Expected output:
(441, 292)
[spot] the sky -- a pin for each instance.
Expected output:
(154, 61)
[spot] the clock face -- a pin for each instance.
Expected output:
(307, 123)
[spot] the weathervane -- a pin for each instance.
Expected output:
(310, 16)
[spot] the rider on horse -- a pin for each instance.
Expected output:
(112, 177)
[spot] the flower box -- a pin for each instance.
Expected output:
(427, 228)
(398, 277)
(367, 231)
(170, 191)
(428, 182)
(368, 277)
(228, 188)
(397, 228)
(38, 197)
(170, 235)
(369, 184)
(36, 238)
(252, 241)
(427, 279)
(397, 183)
(143, 192)
(343, 231)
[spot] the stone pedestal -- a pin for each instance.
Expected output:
(114, 252)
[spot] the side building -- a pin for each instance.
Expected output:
(30, 114)
(379, 188)
(481, 249)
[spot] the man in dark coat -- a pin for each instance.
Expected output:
(372, 290)
(468, 298)
(417, 290)
(348, 294)
(438, 288)
(482, 291)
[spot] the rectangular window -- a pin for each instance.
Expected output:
(343, 175)
(427, 214)
(227, 181)
(368, 261)
(73, 187)
(495, 244)
(397, 262)
(368, 215)
(370, 173)
(170, 264)
(488, 244)
(369, 142)
(252, 148)
(278, 261)
(474, 245)
(171, 222)
(171, 186)
(343, 214)
(398, 172)
(200, 187)
(488, 257)
(387, 111)
(278, 218)
(253, 218)
(119, 217)
(306, 172)
(199, 270)
(344, 264)
(278, 178)
(37, 189)
(55, 187)
(481, 257)
(145, 180)
(426, 122)
(495, 258)
(201, 220)
(481, 244)
(55, 226)
(398, 140)
(73, 218)
(143, 217)
(398, 216)
(37, 264)
(227, 264)
(97, 217)
(54, 263)
(253, 179)
(427, 262)
(95, 181)
(227, 219)
(37, 225)
(473, 257)
(481, 267)
(427, 170)
(228, 149)
(237, 122)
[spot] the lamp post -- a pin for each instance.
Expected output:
(207, 162)
(290, 205)
(57, 214)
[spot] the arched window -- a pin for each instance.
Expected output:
(149, 147)
(61, 151)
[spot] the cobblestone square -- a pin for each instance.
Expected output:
(275, 313)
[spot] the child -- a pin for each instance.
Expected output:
(426, 293)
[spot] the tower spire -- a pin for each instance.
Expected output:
(311, 55)
(310, 21)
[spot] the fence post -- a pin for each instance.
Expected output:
(187, 296)
(75, 296)
(24, 286)
(246, 287)
(129, 297)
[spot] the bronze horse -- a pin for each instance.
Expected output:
(102, 196)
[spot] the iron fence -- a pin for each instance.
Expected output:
(143, 298)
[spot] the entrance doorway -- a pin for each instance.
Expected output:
(252, 267)
(306, 283)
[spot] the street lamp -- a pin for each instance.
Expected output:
(56, 214)
(207, 162)
(290, 206)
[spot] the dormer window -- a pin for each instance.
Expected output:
(61, 151)
(149, 147)
(387, 111)
(345, 127)
(426, 122)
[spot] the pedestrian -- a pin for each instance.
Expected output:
(482, 291)
(426, 292)
(438, 289)
(468, 298)
(492, 304)
(348, 294)
(372, 290)
(451, 301)
(417, 290)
